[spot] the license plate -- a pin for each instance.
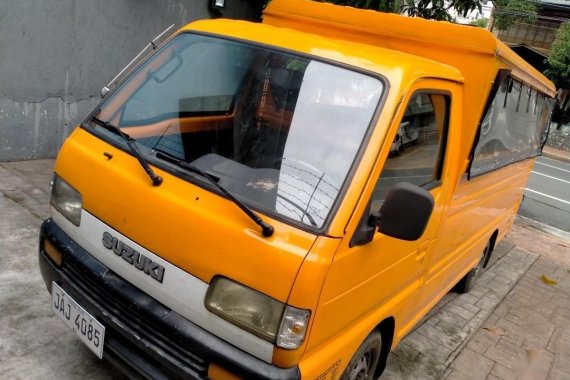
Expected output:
(87, 328)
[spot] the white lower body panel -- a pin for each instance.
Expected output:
(179, 290)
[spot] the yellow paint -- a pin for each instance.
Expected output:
(215, 372)
(349, 291)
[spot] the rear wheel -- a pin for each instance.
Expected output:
(468, 282)
(363, 364)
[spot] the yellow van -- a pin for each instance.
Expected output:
(287, 199)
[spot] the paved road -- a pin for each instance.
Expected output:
(547, 195)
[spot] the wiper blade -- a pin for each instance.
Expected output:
(305, 212)
(266, 229)
(156, 179)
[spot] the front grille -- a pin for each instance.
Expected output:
(142, 336)
(129, 324)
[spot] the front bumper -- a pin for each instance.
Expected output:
(142, 336)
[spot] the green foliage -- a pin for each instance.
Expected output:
(481, 23)
(559, 58)
(430, 9)
(390, 6)
(509, 12)
(463, 7)
(506, 14)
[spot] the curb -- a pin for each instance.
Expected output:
(545, 228)
(557, 156)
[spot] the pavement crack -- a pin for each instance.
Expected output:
(20, 202)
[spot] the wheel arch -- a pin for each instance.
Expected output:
(386, 329)
(493, 241)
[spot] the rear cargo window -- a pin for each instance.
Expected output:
(513, 128)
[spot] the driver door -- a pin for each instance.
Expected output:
(384, 276)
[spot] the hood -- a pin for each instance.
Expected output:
(194, 229)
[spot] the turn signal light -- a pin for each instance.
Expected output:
(216, 372)
(53, 253)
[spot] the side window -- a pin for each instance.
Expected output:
(514, 127)
(416, 154)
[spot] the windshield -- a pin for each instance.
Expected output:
(278, 131)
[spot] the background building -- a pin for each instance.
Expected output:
(533, 42)
(539, 35)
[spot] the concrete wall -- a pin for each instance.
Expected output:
(55, 55)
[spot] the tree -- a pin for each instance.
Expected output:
(559, 58)
(481, 22)
(390, 6)
(509, 12)
(430, 9)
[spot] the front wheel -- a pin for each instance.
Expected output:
(363, 364)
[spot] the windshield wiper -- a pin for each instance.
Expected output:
(266, 229)
(305, 212)
(156, 179)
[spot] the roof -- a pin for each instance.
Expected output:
(436, 40)
(474, 52)
(389, 63)
(413, 28)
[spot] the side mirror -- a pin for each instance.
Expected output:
(405, 212)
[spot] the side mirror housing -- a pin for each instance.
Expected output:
(405, 212)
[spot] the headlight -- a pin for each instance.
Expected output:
(66, 200)
(257, 313)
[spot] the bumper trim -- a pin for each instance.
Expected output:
(142, 330)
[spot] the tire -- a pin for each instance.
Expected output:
(468, 282)
(399, 147)
(363, 364)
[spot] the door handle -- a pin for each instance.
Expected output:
(423, 246)
(420, 257)
(422, 249)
